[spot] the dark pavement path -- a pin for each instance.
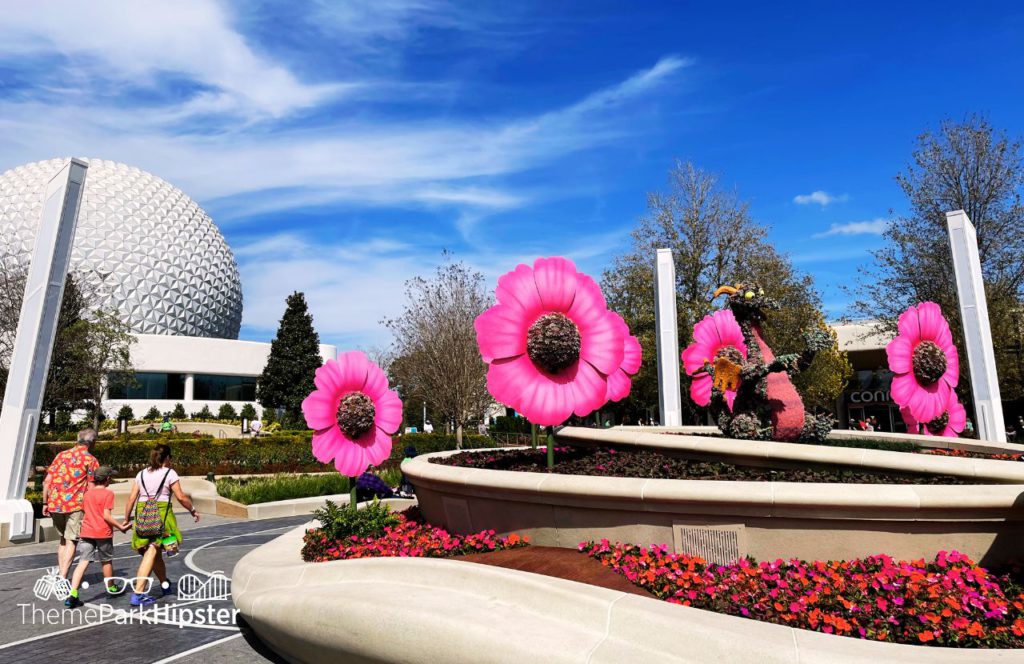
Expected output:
(105, 629)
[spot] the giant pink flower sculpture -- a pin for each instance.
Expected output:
(353, 413)
(619, 382)
(550, 342)
(925, 362)
(950, 423)
(716, 336)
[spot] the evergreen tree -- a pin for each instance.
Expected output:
(294, 358)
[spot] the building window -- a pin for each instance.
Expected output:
(151, 386)
(209, 387)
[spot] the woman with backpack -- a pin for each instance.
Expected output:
(156, 529)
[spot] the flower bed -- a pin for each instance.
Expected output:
(609, 462)
(946, 602)
(408, 537)
(975, 455)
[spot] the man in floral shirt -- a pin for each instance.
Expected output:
(67, 479)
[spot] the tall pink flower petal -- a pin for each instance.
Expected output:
(952, 375)
(505, 379)
(388, 415)
(901, 355)
(501, 332)
(957, 415)
(320, 410)
(589, 389)
(729, 331)
(700, 389)
(518, 289)
(619, 385)
(351, 459)
(730, 397)
(695, 356)
(379, 452)
(928, 401)
(913, 426)
(327, 378)
(352, 368)
(376, 383)
(548, 401)
(908, 325)
(327, 443)
(556, 282)
(601, 343)
(632, 355)
(930, 320)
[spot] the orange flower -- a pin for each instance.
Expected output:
(975, 629)
(925, 637)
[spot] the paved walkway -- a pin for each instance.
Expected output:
(106, 629)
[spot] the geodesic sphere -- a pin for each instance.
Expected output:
(146, 249)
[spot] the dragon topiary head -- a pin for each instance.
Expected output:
(747, 301)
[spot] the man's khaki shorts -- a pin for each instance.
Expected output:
(68, 525)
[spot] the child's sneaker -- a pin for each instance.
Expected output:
(138, 599)
(72, 602)
(171, 588)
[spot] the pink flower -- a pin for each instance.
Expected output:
(950, 423)
(550, 342)
(352, 413)
(718, 335)
(619, 382)
(925, 362)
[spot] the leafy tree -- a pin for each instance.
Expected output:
(153, 413)
(714, 241)
(248, 412)
(287, 378)
(178, 413)
(103, 343)
(968, 166)
(203, 414)
(126, 413)
(435, 344)
(227, 412)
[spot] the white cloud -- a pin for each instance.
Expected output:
(873, 227)
(822, 198)
(137, 41)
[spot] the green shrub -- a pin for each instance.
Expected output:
(153, 414)
(282, 452)
(341, 521)
(226, 412)
(204, 414)
(252, 490)
(505, 424)
(248, 412)
(126, 413)
(179, 412)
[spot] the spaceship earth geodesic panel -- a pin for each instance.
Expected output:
(146, 249)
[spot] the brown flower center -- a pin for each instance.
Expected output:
(929, 362)
(355, 414)
(553, 342)
(730, 353)
(938, 425)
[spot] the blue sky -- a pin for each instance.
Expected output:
(341, 146)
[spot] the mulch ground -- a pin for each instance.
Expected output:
(557, 562)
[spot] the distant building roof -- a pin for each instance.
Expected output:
(861, 336)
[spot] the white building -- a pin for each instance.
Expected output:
(195, 372)
(148, 252)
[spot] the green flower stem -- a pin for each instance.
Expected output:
(352, 494)
(551, 447)
(533, 435)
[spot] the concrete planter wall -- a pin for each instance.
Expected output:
(423, 611)
(722, 520)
